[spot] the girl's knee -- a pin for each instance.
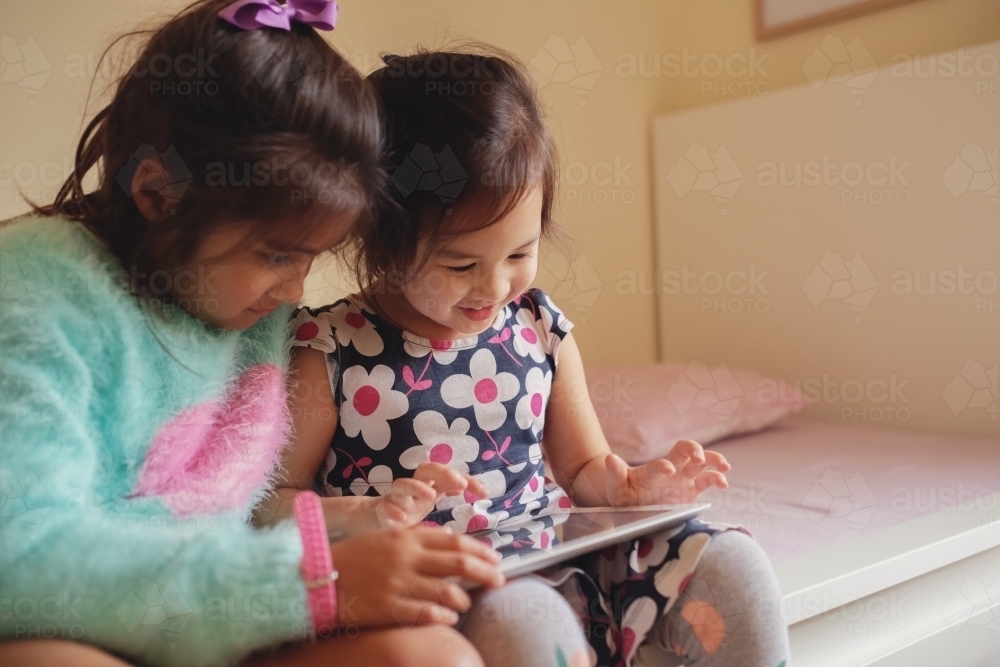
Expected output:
(54, 653)
(432, 645)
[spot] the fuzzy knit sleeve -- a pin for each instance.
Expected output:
(81, 557)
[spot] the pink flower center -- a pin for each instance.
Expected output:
(478, 522)
(441, 345)
(440, 453)
(366, 400)
(307, 331)
(486, 390)
(529, 335)
(536, 404)
(356, 320)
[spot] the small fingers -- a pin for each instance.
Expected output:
(463, 565)
(708, 479)
(445, 540)
(476, 487)
(440, 592)
(443, 478)
(408, 613)
(717, 461)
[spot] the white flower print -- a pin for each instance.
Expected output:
(561, 320)
(636, 624)
(352, 326)
(442, 351)
(440, 443)
(527, 339)
(484, 390)
(369, 403)
(496, 539)
(651, 550)
(530, 411)
(475, 516)
(379, 477)
(533, 490)
(671, 579)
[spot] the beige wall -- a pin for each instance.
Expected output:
(602, 123)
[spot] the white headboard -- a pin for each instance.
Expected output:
(843, 235)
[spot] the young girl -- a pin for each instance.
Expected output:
(143, 329)
(447, 369)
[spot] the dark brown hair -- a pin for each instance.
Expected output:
(266, 126)
(466, 141)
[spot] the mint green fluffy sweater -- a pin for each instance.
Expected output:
(134, 444)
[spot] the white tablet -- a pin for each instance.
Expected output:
(531, 543)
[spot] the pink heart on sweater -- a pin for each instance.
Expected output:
(216, 456)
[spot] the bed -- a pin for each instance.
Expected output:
(884, 531)
(886, 541)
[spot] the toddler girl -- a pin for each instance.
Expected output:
(426, 395)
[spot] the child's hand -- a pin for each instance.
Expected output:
(411, 499)
(679, 478)
(404, 577)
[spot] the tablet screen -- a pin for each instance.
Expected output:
(530, 543)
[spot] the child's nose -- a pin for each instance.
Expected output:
(493, 287)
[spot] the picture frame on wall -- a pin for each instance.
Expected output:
(777, 18)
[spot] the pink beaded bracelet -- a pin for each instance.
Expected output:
(317, 563)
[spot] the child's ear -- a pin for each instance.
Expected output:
(147, 187)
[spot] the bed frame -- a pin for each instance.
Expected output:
(923, 592)
(927, 591)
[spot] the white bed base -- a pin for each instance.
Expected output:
(924, 592)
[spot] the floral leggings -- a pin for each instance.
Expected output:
(723, 613)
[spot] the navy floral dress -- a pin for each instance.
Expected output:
(478, 405)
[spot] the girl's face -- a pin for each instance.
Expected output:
(231, 285)
(469, 278)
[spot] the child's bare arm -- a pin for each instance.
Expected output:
(314, 421)
(582, 461)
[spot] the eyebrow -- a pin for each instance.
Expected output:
(281, 247)
(446, 253)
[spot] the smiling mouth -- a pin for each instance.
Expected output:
(478, 314)
(263, 311)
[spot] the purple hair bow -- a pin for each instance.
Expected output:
(253, 14)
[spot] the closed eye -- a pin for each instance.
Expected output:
(461, 269)
(520, 255)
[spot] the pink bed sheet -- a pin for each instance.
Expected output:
(807, 483)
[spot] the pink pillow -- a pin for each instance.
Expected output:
(645, 410)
